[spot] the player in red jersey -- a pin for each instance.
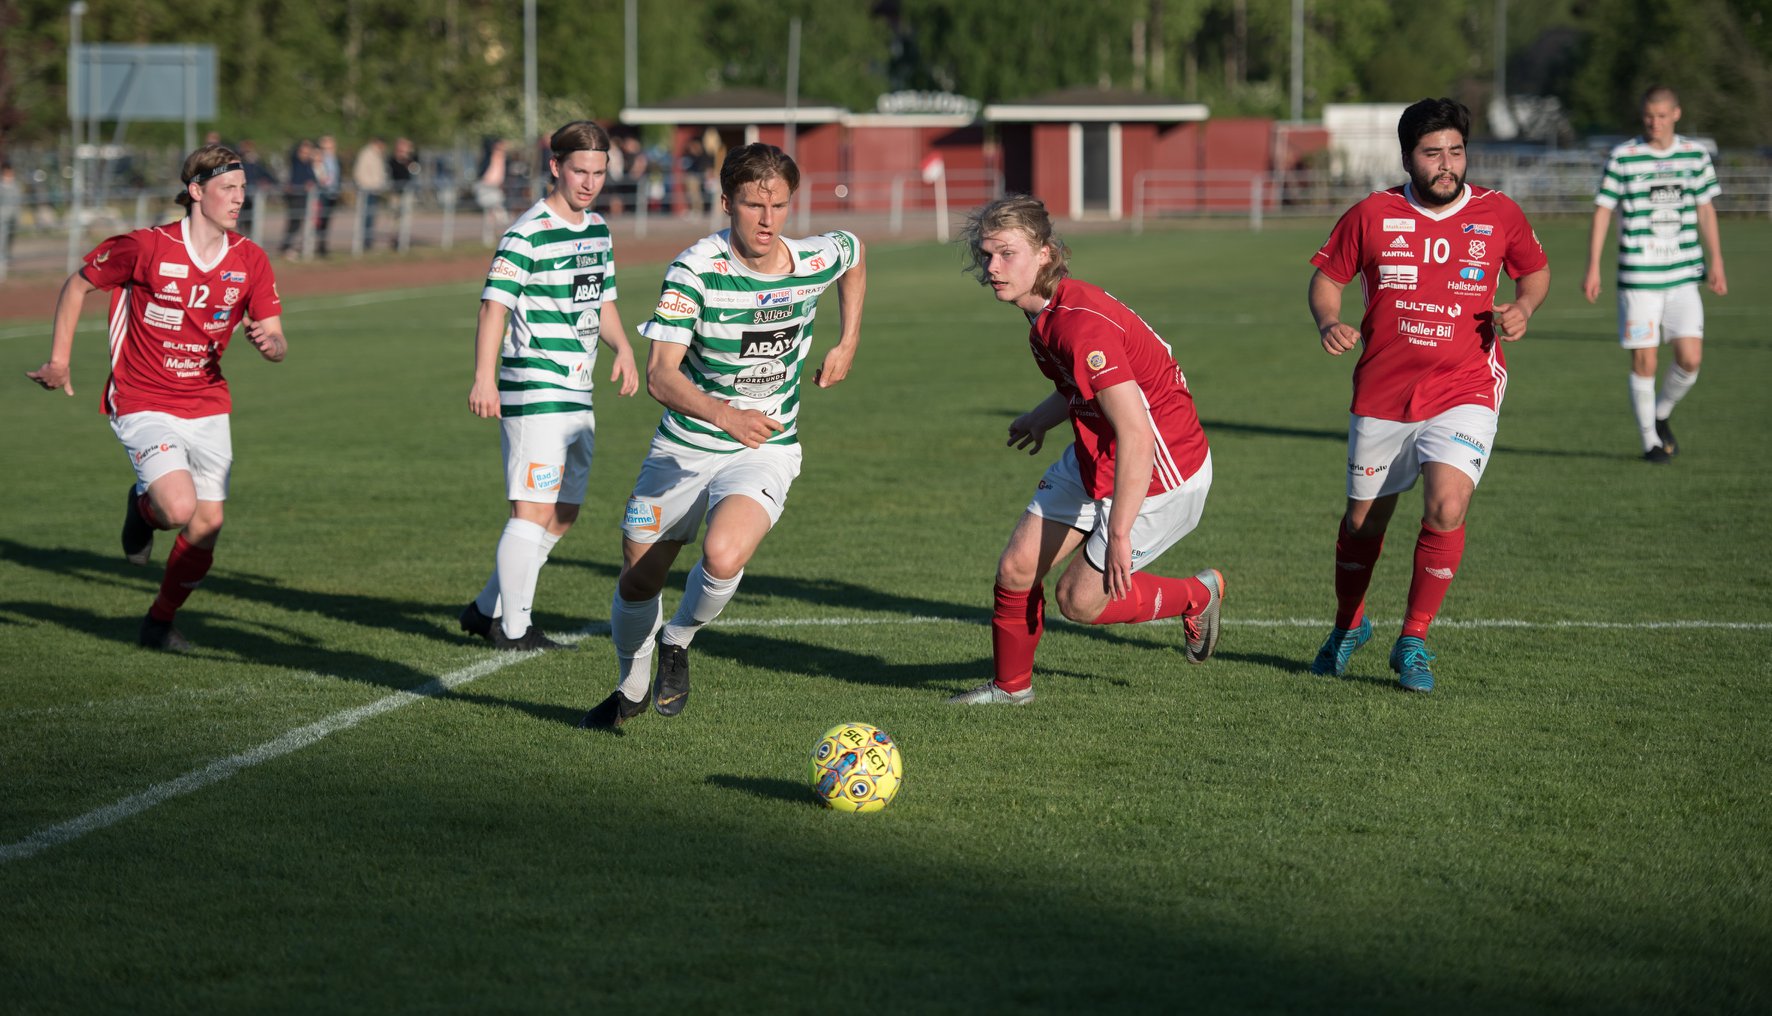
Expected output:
(1429, 381)
(1133, 483)
(178, 293)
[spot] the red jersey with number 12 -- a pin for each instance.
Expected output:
(1085, 341)
(1430, 279)
(172, 316)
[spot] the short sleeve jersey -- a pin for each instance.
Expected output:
(1429, 279)
(1084, 340)
(1657, 194)
(748, 334)
(172, 315)
(554, 277)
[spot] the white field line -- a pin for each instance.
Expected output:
(302, 737)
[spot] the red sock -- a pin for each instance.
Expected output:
(1436, 560)
(1354, 558)
(185, 568)
(145, 508)
(1016, 624)
(1156, 596)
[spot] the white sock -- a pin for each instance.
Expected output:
(489, 602)
(519, 551)
(1674, 389)
(631, 624)
(1642, 403)
(703, 598)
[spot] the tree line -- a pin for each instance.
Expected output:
(447, 69)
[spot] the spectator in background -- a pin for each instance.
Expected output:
(404, 167)
(296, 192)
(692, 168)
(12, 201)
(327, 180)
(489, 188)
(259, 182)
(370, 175)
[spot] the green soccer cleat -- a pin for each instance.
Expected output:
(1340, 646)
(1409, 658)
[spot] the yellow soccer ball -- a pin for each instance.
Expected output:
(856, 767)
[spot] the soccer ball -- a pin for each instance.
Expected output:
(856, 767)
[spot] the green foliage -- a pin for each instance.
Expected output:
(439, 70)
(1575, 821)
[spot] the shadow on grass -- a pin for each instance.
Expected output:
(767, 788)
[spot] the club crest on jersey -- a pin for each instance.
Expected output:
(233, 276)
(1480, 230)
(543, 476)
(1478, 248)
(231, 295)
(1096, 359)
(641, 517)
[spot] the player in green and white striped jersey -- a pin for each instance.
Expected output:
(549, 299)
(731, 337)
(1663, 186)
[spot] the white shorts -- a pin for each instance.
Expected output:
(1162, 520)
(548, 456)
(679, 486)
(1385, 456)
(160, 443)
(1649, 317)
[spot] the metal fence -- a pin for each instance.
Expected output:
(1542, 188)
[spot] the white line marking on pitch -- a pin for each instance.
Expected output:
(302, 737)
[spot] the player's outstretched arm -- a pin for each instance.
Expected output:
(624, 371)
(1325, 303)
(57, 371)
(1713, 249)
(1030, 427)
(266, 336)
(1529, 292)
(489, 335)
(1596, 243)
(666, 382)
(852, 288)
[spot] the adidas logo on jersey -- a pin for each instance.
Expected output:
(170, 287)
(1399, 244)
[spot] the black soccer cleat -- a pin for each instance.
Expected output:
(1657, 455)
(532, 639)
(1665, 435)
(475, 623)
(612, 712)
(138, 536)
(670, 690)
(163, 636)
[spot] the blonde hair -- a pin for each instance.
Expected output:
(1027, 215)
(203, 164)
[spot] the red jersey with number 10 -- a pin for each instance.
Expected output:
(1085, 341)
(172, 316)
(1429, 279)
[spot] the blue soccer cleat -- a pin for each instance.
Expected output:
(1339, 646)
(1409, 658)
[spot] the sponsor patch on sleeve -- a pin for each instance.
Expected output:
(674, 305)
(502, 269)
(1096, 359)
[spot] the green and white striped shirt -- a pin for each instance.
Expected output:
(554, 278)
(1657, 194)
(748, 334)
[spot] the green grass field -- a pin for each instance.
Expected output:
(340, 803)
